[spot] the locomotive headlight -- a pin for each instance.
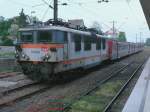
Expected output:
(46, 57)
(17, 56)
(23, 55)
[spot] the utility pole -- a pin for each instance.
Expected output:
(113, 28)
(136, 37)
(140, 37)
(55, 10)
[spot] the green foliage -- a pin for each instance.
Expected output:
(22, 20)
(97, 101)
(9, 27)
(4, 26)
(122, 37)
(6, 41)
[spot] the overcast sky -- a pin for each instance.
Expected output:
(128, 17)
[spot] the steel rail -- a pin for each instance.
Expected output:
(122, 89)
(99, 83)
(7, 99)
(10, 90)
(9, 74)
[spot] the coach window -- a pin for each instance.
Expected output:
(77, 42)
(93, 39)
(87, 43)
(65, 37)
(98, 44)
(104, 43)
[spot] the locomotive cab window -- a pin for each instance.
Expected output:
(44, 36)
(26, 36)
(52, 36)
(59, 36)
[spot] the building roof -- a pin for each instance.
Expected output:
(146, 8)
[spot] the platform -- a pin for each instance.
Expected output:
(139, 100)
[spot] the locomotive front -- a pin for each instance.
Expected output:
(39, 50)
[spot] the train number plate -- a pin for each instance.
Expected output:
(35, 52)
(44, 49)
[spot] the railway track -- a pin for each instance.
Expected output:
(108, 107)
(43, 90)
(18, 93)
(22, 91)
(99, 83)
(8, 74)
(24, 87)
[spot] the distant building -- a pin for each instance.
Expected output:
(76, 23)
(112, 33)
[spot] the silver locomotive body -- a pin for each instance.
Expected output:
(43, 52)
(39, 50)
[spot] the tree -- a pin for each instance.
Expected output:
(22, 22)
(97, 26)
(122, 37)
(6, 41)
(13, 30)
(9, 28)
(4, 26)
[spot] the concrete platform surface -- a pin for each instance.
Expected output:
(139, 100)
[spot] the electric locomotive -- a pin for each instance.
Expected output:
(43, 51)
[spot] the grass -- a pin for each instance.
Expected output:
(7, 54)
(10, 55)
(97, 101)
(10, 69)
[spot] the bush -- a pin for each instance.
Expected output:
(6, 41)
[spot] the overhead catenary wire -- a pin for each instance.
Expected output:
(42, 4)
(90, 11)
(80, 3)
(45, 13)
(50, 6)
(132, 12)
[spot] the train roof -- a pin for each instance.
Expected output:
(60, 28)
(66, 29)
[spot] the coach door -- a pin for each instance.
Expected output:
(103, 49)
(66, 46)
